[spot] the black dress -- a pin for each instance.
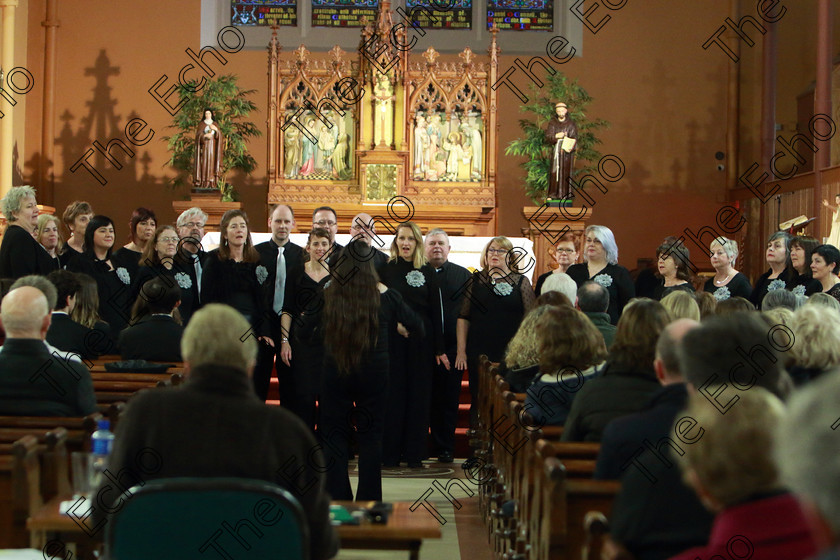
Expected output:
(67, 255)
(834, 291)
(21, 255)
(182, 274)
(738, 286)
(304, 300)
(412, 363)
(367, 387)
(494, 309)
(131, 259)
(238, 284)
(765, 284)
(661, 291)
(808, 285)
(114, 287)
(618, 284)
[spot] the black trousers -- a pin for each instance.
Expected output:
(267, 359)
(409, 397)
(446, 393)
(366, 388)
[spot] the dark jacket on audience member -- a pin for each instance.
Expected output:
(156, 338)
(549, 401)
(637, 519)
(620, 390)
(21, 255)
(34, 383)
(70, 336)
(602, 323)
(214, 426)
(771, 527)
(519, 379)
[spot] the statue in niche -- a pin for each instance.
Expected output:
(383, 95)
(291, 144)
(339, 157)
(421, 146)
(472, 130)
(434, 154)
(308, 149)
(453, 146)
(209, 148)
(562, 134)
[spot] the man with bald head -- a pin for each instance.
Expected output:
(363, 228)
(640, 450)
(32, 381)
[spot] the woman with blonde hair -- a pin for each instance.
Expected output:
(496, 299)
(48, 234)
(681, 305)
(816, 342)
(20, 253)
(521, 363)
(412, 360)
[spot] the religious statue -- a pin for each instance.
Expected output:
(421, 145)
(473, 133)
(292, 146)
(383, 96)
(562, 135)
(209, 148)
(339, 157)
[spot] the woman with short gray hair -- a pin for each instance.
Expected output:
(20, 253)
(727, 281)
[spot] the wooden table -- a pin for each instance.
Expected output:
(405, 529)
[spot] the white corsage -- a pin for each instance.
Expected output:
(603, 279)
(415, 279)
(327, 283)
(503, 289)
(798, 291)
(722, 293)
(262, 274)
(776, 285)
(184, 280)
(124, 276)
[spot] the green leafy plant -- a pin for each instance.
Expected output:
(533, 145)
(231, 109)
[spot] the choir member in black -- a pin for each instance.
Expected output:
(326, 218)
(280, 257)
(113, 281)
(801, 247)
(412, 360)
(303, 349)
(565, 255)
(76, 217)
(363, 227)
(20, 254)
(191, 230)
(142, 228)
(727, 281)
(781, 274)
(600, 256)
(48, 234)
(672, 259)
(233, 275)
(358, 319)
(825, 263)
(446, 382)
(496, 299)
(161, 258)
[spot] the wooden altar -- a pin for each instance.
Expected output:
(381, 129)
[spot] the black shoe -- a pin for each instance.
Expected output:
(470, 463)
(445, 457)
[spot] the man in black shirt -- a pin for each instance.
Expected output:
(446, 388)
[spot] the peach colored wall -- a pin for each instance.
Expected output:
(664, 96)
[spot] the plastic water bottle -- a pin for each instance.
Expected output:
(101, 441)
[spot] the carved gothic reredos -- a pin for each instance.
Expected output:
(336, 119)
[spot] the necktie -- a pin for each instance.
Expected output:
(279, 281)
(197, 263)
(440, 293)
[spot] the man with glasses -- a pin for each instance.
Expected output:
(326, 218)
(191, 224)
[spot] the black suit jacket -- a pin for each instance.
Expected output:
(34, 383)
(293, 255)
(156, 338)
(215, 426)
(21, 255)
(70, 336)
(451, 280)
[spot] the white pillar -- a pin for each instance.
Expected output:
(7, 60)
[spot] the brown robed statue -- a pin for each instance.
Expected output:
(562, 135)
(209, 152)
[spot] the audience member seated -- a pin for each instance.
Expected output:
(824, 300)
(552, 298)
(714, 358)
(730, 467)
(628, 379)
(780, 298)
(156, 336)
(593, 300)
(560, 282)
(816, 343)
(779, 316)
(214, 426)
(570, 351)
(522, 363)
(48, 289)
(681, 305)
(640, 449)
(86, 313)
(806, 455)
(707, 304)
(34, 382)
(65, 333)
(733, 305)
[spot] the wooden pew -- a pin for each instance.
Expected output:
(19, 491)
(79, 429)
